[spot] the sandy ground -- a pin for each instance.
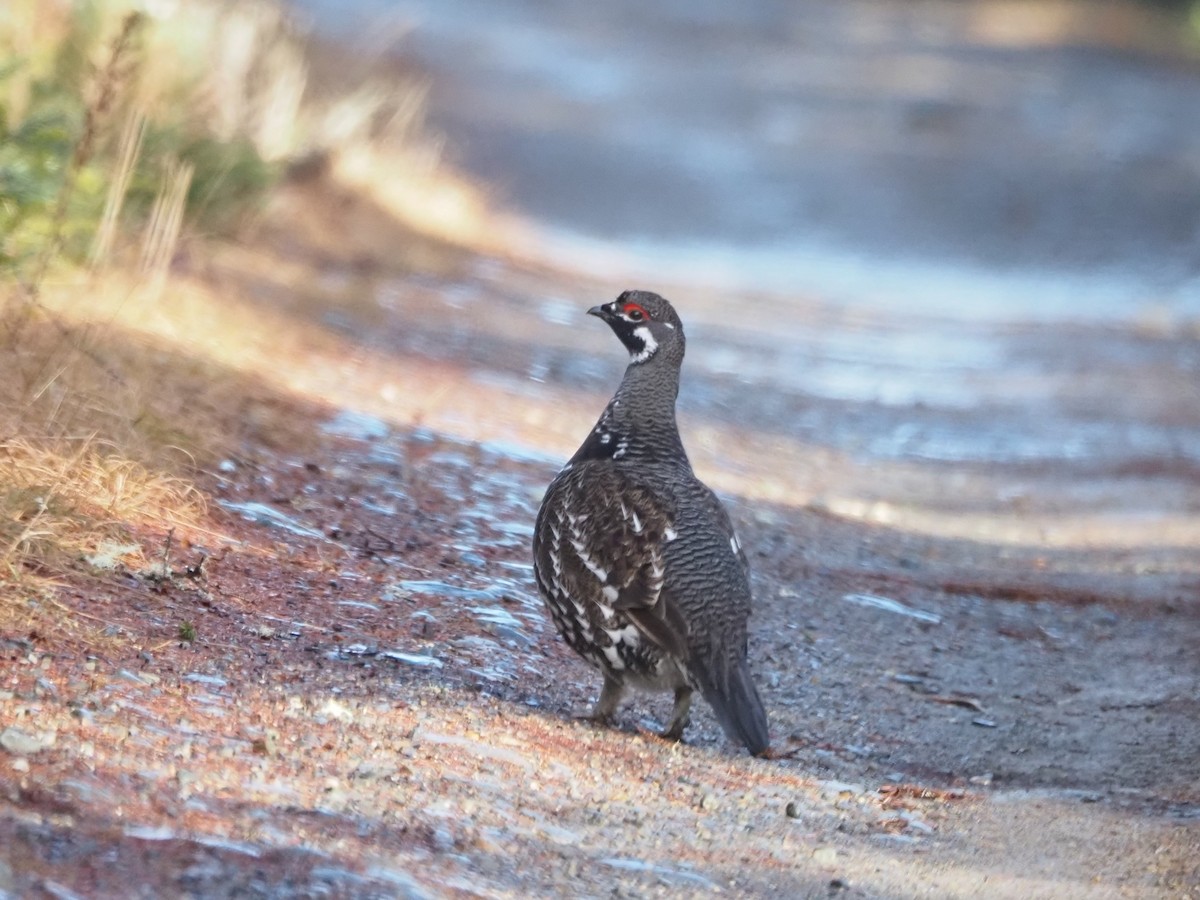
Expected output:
(983, 658)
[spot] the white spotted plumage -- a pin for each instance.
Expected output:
(636, 559)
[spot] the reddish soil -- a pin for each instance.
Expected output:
(332, 730)
(983, 677)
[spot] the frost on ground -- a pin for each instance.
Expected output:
(376, 705)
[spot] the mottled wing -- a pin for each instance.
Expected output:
(599, 556)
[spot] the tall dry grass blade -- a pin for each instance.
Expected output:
(161, 237)
(132, 136)
(258, 78)
(349, 120)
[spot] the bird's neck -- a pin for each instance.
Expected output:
(639, 422)
(650, 388)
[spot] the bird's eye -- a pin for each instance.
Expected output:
(635, 312)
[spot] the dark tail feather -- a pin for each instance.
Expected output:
(734, 698)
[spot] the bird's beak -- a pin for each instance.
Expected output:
(599, 312)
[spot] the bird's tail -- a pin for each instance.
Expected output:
(730, 691)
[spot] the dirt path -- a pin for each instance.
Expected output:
(987, 667)
(390, 714)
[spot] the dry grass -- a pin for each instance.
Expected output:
(234, 69)
(83, 458)
(104, 429)
(56, 507)
(161, 236)
(426, 197)
(246, 68)
(125, 379)
(215, 83)
(132, 136)
(80, 511)
(368, 123)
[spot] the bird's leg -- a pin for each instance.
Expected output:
(679, 716)
(610, 698)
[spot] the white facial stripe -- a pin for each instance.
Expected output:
(648, 342)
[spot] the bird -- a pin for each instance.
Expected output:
(636, 559)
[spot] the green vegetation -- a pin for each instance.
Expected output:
(117, 128)
(125, 128)
(96, 127)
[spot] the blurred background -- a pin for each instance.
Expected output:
(999, 159)
(311, 280)
(900, 233)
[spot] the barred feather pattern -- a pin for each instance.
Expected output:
(636, 559)
(599, 561)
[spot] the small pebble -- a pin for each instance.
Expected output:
(825, 856)
(19, 743)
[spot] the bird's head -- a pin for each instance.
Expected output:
(646, 324)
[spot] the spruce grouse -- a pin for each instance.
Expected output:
(636, 558)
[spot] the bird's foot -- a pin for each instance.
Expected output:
(674, 731)
(680, 715)
(596, 718)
